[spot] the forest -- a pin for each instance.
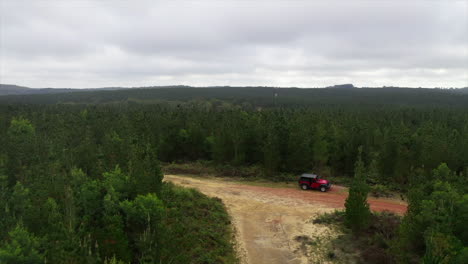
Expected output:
(245, 96)
(81, 180)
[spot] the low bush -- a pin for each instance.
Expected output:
(335, 217)
(384, 223)
(379, 190)
(372, 245)
(376, 254)
(203, 167)
(193, 168)
(198, 228)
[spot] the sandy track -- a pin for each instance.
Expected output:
(269, 220)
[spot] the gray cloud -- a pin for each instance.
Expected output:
(79, 43)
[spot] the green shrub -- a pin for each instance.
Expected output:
(379, 190)
(198, 228)
(330, 218)
(356, 206)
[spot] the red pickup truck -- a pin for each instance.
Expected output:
(313, 181)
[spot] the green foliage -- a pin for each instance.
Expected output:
(21, 131)
(357, 209)
(20, 202)
(442, 173)
(4, 206)
(116, 181)
(380, 190)
(320, 146)
(115, 217)
(462, 257)
(225, 97)
(143, 218)
(198, 228)
(441, 248)
(145, 173)
(434, 227)
(114, 260)
(461, 219)
(79, 164)
(22, 248)
(288, 139)
(144, 212)
(373, 174)
(20, 149)
(335, 217)
(271, 155)
(372, 244)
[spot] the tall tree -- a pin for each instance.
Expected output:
(144, 170)
(320, 147)
(357, 208)
(21, 139)
(22, 248)
(434, 226)
(143, 218)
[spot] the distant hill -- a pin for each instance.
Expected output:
(7, 89)
(342, 86)
(248, 96)
(10, 89)
(463, 90)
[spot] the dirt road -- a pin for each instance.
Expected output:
(272, 223)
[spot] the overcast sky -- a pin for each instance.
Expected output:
(82, 44)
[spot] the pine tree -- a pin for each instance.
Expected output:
(144, 170)
(144, 217)
(357, 208)
(373, 175)
(20, 149)
(320, 147)
(22, 247)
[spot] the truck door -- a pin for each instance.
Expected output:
(314, 184)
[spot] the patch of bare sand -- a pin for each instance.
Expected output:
(269, 228)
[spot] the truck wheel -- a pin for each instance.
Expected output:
(323, 189)
(304, 187)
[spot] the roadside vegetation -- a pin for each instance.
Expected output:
(373, 243)
(273, 143)
(432, 231)
(53, 213)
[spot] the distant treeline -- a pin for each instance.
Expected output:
(279, 140)
(254, 96)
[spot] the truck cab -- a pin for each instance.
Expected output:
(313, 181)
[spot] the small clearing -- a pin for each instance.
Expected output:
(273, 225)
